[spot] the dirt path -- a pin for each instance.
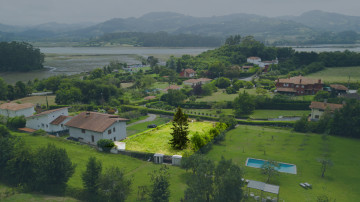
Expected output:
(150, 118)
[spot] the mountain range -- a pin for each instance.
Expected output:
(264, 28)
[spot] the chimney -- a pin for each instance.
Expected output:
(319, 80)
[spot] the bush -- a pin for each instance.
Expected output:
(16, 122)
(105, 144)
(230, 90)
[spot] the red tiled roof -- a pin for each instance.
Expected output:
(149, 97)
(323, 106)
(59, 120)
(172, 87)
(338, 87)
(189, 71)
(300, 80)
(15, 106)
(93, 121)
(286, 90)
(49, 111)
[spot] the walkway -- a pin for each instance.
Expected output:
(150, 118)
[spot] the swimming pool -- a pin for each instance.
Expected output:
(283, 167)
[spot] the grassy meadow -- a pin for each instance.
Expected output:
(157, 140)
(135, 169)
(341, 181)
(338, 74)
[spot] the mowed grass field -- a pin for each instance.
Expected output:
(266, 114)
(341, 181)
(338, 74)
(221, 95)
(37, 99)
(157, 140)
(7, 195)
(141, 127)
(135, 169)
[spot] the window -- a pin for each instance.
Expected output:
(83, 130)
(316, 116)
(109, 131)
(62, 125)
(42, 125)
(114, 138)
(297, 86)
(302, 86)
(47, 125)
(92, 138)
(114, 129)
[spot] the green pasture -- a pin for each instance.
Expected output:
(157, 140)
(140, 127)
(338, 74)
(135, 169)
(341, 181)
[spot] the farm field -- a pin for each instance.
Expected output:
(341, 181)
(157, 140)
(138, 128)
(37, 99)
(338, 74)
(136, 169)
(266, 114)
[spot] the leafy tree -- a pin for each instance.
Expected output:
(68, 96)
(197, 141)
(269, 169)
(244, 104)
(325, 164)
(321, 95)
(160, 185)
(230, 121)
(91, 177)
(152, 61)
(346, 120)
(180, 130)
(173, 97)
(96, 73)
(114, 186)
(301, 125)
(228, 183)
(53, 168)
(3, 89)
(7, 144)
(20, 90)
(223, 82)
(16, 122)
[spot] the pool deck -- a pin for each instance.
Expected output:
(295, 167)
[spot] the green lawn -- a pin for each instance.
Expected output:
(338, 74)
(138, 128)
(265, 114)
(157, 140)
(136, 169)
(8, 194)
(221, 95)
(341, 182)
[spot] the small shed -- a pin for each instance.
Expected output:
(158, 158)
(176, 160)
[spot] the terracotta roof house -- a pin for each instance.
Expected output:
(298, 86)
(338, 89)
(172, 87)
(193, 82)
(90, 127)
(188, 73)
(52, 121)
(14, 109)
(318, 108)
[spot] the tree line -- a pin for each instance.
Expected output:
(20, 56)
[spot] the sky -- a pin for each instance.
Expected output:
(32, 12)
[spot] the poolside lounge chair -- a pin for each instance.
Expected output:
(308, 185)
(303, 185)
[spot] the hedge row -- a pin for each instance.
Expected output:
(267, 123)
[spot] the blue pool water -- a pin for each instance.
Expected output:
(284, 167)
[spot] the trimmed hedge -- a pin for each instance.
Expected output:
(268, 123)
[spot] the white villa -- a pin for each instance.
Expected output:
(318, 108)
(51, 121)
(90, 127)
(14, 109)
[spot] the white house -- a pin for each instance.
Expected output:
(49, 120)
(318, 108)
(90, 127)
(254, 60)
(14, 109)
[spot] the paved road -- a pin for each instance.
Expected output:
(150, 118)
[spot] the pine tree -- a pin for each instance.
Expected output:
(180, 130)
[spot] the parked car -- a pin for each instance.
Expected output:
(152, 126)
(72, 138)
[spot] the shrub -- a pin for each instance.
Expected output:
(105, 144)
(16, 122)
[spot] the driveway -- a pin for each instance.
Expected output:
(150, 118)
